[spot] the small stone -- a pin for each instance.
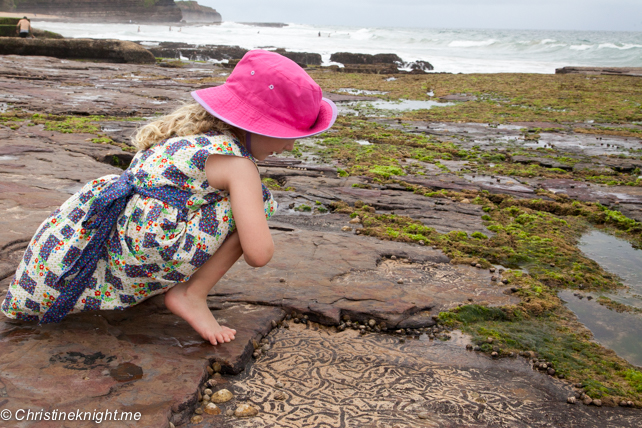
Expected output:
(494, 354)
(256, 354)
(473, 264)
(286, 325)
(278, 384)
(217, 375)
(196, 419)
(571, 400)
(212, 409)
(478, 266)
(514, 289)
(551, 371)
(198, 411)
(372, 323)
(504, 281)
(587, 400)
(210, 371)
(211, 382)
(402, 340)
(400, 281)
(465, 201)
(265, 348)
(274, 324)
(245, 411)
(222, 396)
(229, 412)
(477, 348)
(393, 257)
(492, 270)
(216, 367)
(362, 332)
(494, 278)
(207, 391)
(578, 385)
(346, 228)
(469, 347)
(171, 425)
(423, 415)
(206, 398)
(489, 340)
(597, 403)
(279, 395)
(623, 403)
(355, 220)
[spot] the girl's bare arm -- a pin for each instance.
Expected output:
(241, 179)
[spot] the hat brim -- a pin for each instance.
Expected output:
(224, 104)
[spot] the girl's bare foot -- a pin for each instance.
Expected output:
(193, 309)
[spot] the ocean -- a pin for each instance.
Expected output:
(448, 50)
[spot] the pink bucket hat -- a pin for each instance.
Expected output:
(269, 94)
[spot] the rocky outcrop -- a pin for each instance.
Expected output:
(358, 58)
(194, 12)
(206, 52)
(100, 10)
(613, 71)
(107, 50)
(8, 29)
(377, 64)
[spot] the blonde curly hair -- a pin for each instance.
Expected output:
(190, 119)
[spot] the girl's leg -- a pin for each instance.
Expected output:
(188, 299)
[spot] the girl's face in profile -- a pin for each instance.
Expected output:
(262, 146)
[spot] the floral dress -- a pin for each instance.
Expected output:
(152, 247)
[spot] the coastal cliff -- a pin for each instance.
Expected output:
(194, 12)
(99, 10)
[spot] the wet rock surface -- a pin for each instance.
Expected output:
(375, 380)
(148, 360)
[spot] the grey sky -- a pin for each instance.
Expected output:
(613, 15)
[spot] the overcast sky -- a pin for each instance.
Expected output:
(614, 15)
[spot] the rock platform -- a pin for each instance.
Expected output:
(145, 359)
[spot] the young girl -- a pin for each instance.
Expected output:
(166, 224)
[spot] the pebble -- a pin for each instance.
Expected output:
(489, 340)
(217, 375)
(256, 354)
(274, 324)
(245, 411)
(492, 270)
(423, 415)
(477, 348)
(265, 348)
(207, 391)
(198, 411)
(469, 347)
(473, 264)
(571, 400)
(478, 266)
(196, 419)
(279, 384)
(279, 395)
(362, 332)
(393, 257)
(281, 279)
(212, 409)
(494, 354)
(372, 323)
(465, 201)
(400, 281)
(216, 367)
(346, 228)
(551, 371)
(211, 382)
(493, 278)
(222, 396)
(587, 400)
(210, 371)
(229, 412)
(355, 220)
(597, 403)
(206, 397)
(171, 425)
(505, 281)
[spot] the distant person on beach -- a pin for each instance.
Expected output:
(23, 28)
(139, 28)
(189, 205)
